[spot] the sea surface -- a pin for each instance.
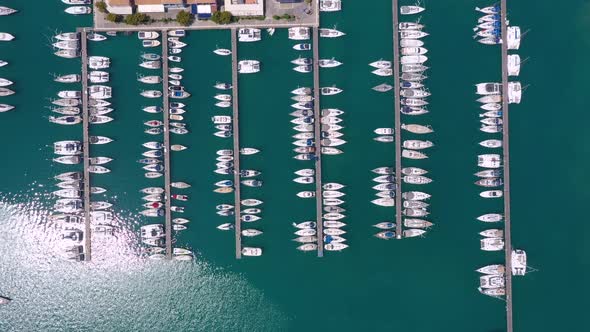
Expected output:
(419, 284)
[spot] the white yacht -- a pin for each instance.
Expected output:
(413, 59)
(413, 51)
(489, 160)
(513, 37)
(409, 10)
(143, 35)
(492, 269)
(97, 76)
(513, 64)
(412, 34)
(249, 35)
(4, 11)
(416, 179)
(417, 223)
(300, 33)
(383, 72)
(328, 91)
(248, 66)
(329, 63)
(417, 144)
(251, 251)
(6, 36)
(380, 64)
(78, 10)
(519, 262)
(417, 129)
(330, 5)
(387, 202)
(222, 51)
(330, 33)
(491, 217)
(411, 43)
(413, 171)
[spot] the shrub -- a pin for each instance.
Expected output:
(137, 19)
(114, 18)
(222, 17)
(185, 18)
(101, 6)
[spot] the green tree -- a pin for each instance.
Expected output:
(114, 18)
(137, 19)
(101, 6)
(185, 18)
(222, 17)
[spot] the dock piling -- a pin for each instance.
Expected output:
(166, 111)
(236, 141)
(397, 123)
(86, 145)
(318, 143)
(506, 156)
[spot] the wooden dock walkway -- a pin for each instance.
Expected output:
(166, 106)
(397, 123)
(236, 138)
(86, 145)
(506, 156)
(318, 143)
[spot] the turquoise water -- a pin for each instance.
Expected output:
(424, 284)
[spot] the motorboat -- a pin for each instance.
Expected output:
(384, 87)
(411, 154)
(329, 63)
(302, 47)
(493, 233)
(67, 45)
(68, 160)
(412, 34)
(496, 269)
(416, 179)
(383, 170)
(411, 43)
(177, 33)
(417, 144)
(299, 33)
(150, 43)
(414, 93)
(413, 77)
(248, 66)
(97, 76)
(415, 195)
(67, 36)
(383, 72)
(335, 246)
(330, 5)
(251, 232)
(330, 33)
(78, 10)
(100, 140)
(249, 35)
(6, 92)
(488, 88)
(151, 93)
(417, 129)
(4, 11)
(303, 68)
(66, 120)
(174, 58)
(249, 218)
(146, 35)
(489, 161)
(306, 194)
(387, 202)
(413, 59)
(489, 173)
(305, 225)
(149, 65)
(302, 61)
(93, 36)
(417, 223)
(385, 225)
(491, 217)
(409, 10)
(251, 251)
(67, 148)
(304, 179)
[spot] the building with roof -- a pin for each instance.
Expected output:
(120, 7)
(245, 7)
(125, 7)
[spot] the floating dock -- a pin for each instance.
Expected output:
(318, 141)
(506, 156)
(86, 143)
(166, 111)
(397, 123)
(236, 138)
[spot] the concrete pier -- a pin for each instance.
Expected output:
(397, 122)
(166, 134)
(506, 156)
(236, 139)
(86, 143)
(318, 145)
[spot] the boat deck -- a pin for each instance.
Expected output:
(86, 143)
(397, 122)
(236, 140)
(166, 106)
(506, 150)
(318, 145)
